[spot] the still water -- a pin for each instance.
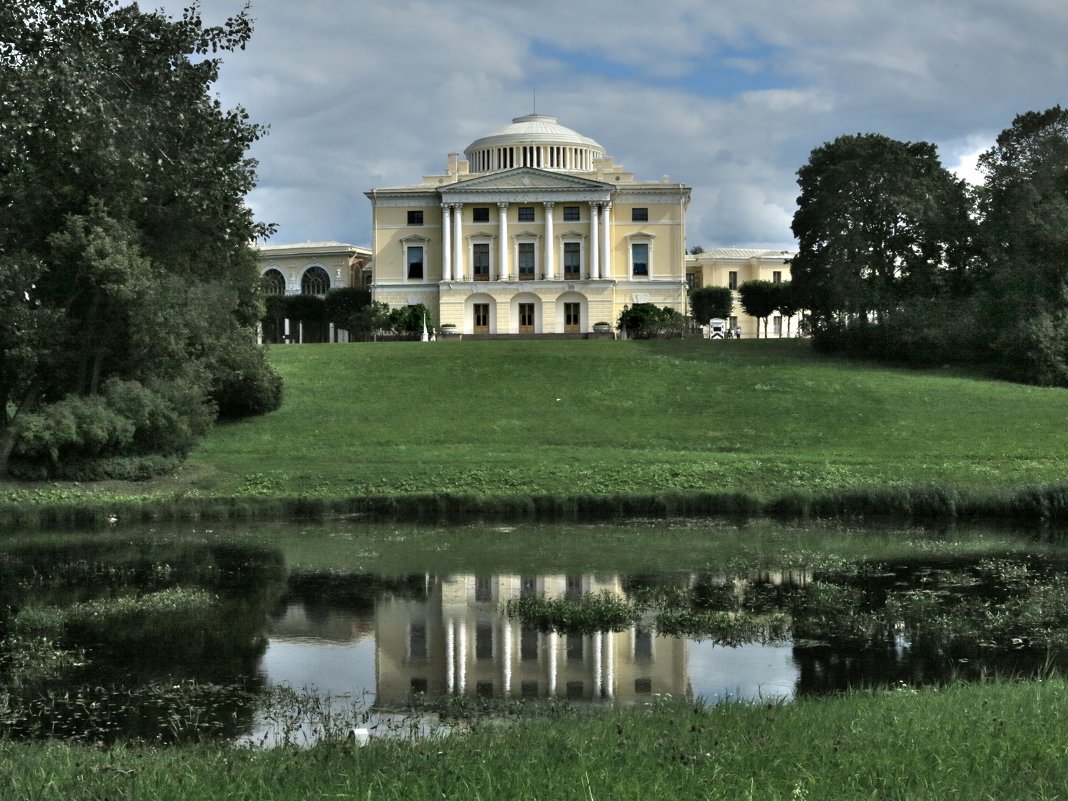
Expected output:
(242, 634)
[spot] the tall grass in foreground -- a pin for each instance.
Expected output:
(989, 741)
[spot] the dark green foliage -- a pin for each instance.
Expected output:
(343, 303)
(711, 301)
(878, 221)
(409, 320)
(647, 321)
(759, 299)
(243, 382)
(124, 256)
(1024, 206)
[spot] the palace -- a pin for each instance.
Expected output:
(535, 232)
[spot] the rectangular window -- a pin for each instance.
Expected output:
(776, 277)
(573, 584)
(643, 686)
(528, 645)
(643, 645)
(732, 279)
(480, 214)
(639, 215)
(418, 686)
(526, 261)
(529, 689)
(483, 588)
(526, 214)
(481, 315)
(484, 689)
(691, 281)
(640, 258)
(483, 642)
(417, 641)
(572, 260)
(575, 690)
(415, 262)
(415, 217)
(528, 587)
(480, 261)
(575, 647)
(572, 214)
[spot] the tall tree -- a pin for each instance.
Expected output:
(711, 301)
(124, 236)
(759, 299)
(1024, 214)
(878, 222)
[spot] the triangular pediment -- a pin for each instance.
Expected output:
(523, 178)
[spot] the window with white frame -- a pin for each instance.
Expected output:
(572, 214)
(572, 261)
(480, 261)
(639, 259)
(732, 280)
(526, 261)
(526, 214)
(413, 261)
(776, 276)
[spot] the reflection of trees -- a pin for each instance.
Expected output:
(172, 632)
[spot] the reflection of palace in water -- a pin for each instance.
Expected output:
(459, 641)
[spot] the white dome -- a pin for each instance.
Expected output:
(552, 146)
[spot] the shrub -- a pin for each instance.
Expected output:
(646, 321)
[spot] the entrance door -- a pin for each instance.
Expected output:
(526, 318)
(572, 318)
(481, 318)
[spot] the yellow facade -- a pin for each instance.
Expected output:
(732, 267)
(537, 232)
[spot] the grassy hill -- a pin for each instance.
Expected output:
(763, 418)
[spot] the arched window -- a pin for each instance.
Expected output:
(315, 281)
(273, 283)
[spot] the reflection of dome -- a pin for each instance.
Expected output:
(534, 140)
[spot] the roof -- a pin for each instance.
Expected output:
(745, 254)
(534, 128)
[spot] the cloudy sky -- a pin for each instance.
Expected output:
(728, 97)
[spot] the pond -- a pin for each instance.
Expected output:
(279, 633)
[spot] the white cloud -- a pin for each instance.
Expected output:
(729, 98)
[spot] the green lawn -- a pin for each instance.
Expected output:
(765, 418)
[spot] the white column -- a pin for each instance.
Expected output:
(461, 658)
(550, 268)
(450, 656)
(506, 646)
(598, 677)
(446, 243)
(552, 663)
(330, 335)
(286, 332)
(502, 261)
(606, 245)
(595, 258)
(458, 243)
(610, 661)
